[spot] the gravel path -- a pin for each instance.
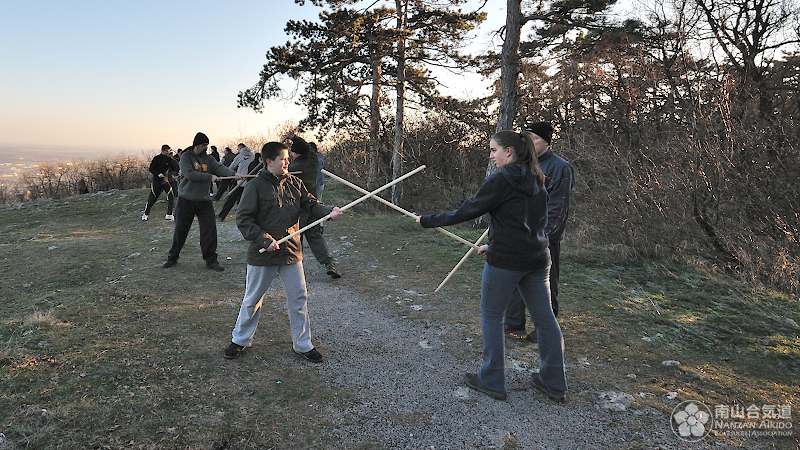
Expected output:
(407, 377)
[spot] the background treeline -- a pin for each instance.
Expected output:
(681, 120)
(61, 179)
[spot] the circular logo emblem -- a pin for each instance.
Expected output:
(691, 420)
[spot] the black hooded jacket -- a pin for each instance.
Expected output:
(516, 202)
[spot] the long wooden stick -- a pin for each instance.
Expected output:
(392, 205)
(231, 178)
(347, 206)
(463, 259)
(253, 172)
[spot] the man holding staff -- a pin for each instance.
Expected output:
(305, 161)
(198, 171)
(269, 211)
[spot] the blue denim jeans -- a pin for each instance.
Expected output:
(496, 289)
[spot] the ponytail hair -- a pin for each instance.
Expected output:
(523, 150)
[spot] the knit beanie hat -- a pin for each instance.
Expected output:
(542, 129)
(200, 138)
(300, 146)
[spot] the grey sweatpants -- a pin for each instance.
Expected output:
(294, 286)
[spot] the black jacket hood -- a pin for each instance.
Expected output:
(519, 176)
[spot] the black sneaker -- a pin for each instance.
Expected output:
(312, 355)
(552, 394)
(233, 351)
(473, 382)
(332, 272)
(215, 266)
(531, 336)
(169, 263)
(513, 330)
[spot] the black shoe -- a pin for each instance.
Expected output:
(552, 394)
(169, 263)
(312, 355)
(531, 336)
(332, 272)
(473, 382)
(513, 330)
(215, 266)
(233, 351)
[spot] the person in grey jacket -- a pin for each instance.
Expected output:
(269, 210)
(240, 164)
(198, 171)
(558, 180)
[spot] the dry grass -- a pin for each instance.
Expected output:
(101, 348)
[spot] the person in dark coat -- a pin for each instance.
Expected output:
(269, 210)
(163, 167)
(305, 161)
(558, 180)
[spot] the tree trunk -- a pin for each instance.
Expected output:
(397, 157)
(374, 122)
(509, 72)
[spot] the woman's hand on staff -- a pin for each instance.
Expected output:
(238, 176)
(336, 213)
(482, 249)
(417, 219)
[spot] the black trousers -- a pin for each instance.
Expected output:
(222, 187)
(185, 212)
(156, 188)
(515, 313)
(229, 202)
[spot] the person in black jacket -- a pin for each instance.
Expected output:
(517, 257)
(305, 161)
(558, 180)
(163, 167)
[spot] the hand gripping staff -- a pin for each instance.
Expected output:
(347, 206)
(392, 205)
(463, 258)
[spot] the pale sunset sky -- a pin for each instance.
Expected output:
(129, 76)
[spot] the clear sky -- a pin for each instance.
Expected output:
(132, 75)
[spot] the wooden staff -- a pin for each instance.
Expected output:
(346, 207)
(253, 172)
(231, 178)
(463, 259)
(392, 205)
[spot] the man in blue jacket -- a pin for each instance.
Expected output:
(558, 182)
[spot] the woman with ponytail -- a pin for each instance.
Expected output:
(517, 257)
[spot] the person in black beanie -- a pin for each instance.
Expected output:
(164, 168)
(305, 161)
(558, 183)
(198, 171)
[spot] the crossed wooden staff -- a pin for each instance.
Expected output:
(473, 247)
(347, 206)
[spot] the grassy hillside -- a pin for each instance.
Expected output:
(100, 347)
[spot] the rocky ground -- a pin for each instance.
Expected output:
(407, 376)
